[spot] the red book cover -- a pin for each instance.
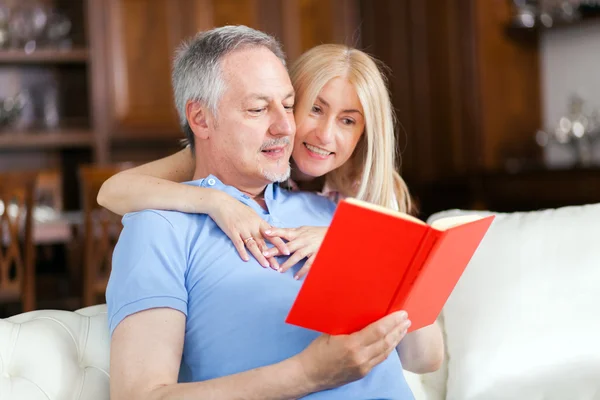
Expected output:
(374, 261)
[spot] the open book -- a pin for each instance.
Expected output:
(375, 261)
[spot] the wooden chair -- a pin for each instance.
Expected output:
(101, 232)
(17, 251)
(49, 189)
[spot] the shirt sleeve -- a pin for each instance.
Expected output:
(148, 268)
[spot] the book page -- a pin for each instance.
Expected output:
(384, 210)
(450, 222)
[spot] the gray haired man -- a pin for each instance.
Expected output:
(189, 319)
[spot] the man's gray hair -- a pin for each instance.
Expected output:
(197, 73)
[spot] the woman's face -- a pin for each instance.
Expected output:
(326, 137)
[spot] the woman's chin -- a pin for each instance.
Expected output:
(308, 172)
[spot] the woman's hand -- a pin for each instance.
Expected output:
(302, 242)
(245, 229)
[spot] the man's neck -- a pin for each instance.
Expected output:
(254, 191)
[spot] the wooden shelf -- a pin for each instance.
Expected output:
(63, 138)
(591, 16)
(47, 56)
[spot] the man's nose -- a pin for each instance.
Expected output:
(325, 132)
(283, 124)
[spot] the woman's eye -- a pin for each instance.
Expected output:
(315, 109)
(348, 121)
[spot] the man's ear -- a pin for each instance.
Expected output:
(199, 119)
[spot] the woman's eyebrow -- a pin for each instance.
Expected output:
(349, 111)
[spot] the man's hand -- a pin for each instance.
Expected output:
(332, 361)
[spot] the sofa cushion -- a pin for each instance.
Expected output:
(55, 355)
(523, 323)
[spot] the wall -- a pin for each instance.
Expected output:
(570, 63)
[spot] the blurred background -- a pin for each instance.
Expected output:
(498, 103)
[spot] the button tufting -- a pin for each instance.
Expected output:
(211, 182)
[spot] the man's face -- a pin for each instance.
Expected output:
(254, 132)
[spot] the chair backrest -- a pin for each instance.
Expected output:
(17, 252)
(49, 189)
(101, 231)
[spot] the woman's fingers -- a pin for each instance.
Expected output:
(280, 248)
(292, 247)
(305, 268)
(286, 233)
(253, 247)
(293, 260)
(239, 245)
(273, 263)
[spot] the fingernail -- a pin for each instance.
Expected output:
(287, 253)
(268, 232)
(296, 277)
(403, 315)
(266, 253)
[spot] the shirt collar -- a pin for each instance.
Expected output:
(271, 191)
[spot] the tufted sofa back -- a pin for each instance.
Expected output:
(55, 355)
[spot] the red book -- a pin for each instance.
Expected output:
(375, 261)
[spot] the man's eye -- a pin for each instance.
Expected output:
(289, 108)
(256, 110)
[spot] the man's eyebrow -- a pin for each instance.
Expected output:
(326, 104)
(258, 96)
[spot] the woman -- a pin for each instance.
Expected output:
(344, 146)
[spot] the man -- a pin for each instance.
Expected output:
(183, 305)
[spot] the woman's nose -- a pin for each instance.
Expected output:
(325, 132)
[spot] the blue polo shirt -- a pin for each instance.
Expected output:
(235, 310)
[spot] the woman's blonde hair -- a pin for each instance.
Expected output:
(370, 174)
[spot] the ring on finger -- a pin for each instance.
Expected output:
(248, 240)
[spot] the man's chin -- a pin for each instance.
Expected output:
(277, 176)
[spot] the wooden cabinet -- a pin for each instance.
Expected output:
(467, 95)
(142, 36)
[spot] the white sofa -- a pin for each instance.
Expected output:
(55, 355)
(522, 324)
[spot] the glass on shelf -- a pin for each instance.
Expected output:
(33, 25)
(11, 109)
(575, 136)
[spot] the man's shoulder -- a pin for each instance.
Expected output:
(174, 219)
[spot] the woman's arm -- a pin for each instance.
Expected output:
(422, 351)
(155, 185)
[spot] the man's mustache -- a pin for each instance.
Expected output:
(275, 143)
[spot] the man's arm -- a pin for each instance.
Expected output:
(422, 351)
(145, 357)
(146, 351)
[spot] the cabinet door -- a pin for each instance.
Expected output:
(142, 36)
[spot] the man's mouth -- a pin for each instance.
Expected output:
(274, 150)
(317, 150)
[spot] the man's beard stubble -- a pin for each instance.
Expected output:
(273, 176)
